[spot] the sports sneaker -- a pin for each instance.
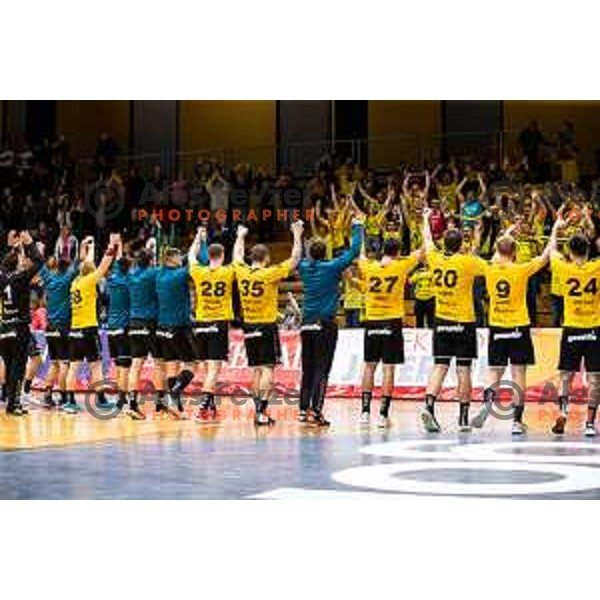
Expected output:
(590, 430)
(559, 425)
(429, 421)
(319, 420)
(481, 417)
(48, 402)
(72, 408)
(134, 413)
(518, 428)
(263, 419)
(17, 410)
(383, 422)
(302, 416)
(365, 419)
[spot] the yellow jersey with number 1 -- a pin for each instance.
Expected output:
(84, 296)
(214, 288)
(453, 276)
(507, 288)
(259, 290)
(384, 287)
(580, 286)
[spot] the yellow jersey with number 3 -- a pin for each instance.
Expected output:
(580, 286)
(214, 292)
(384, 287)
(259, 290)
(452, 276)
(507, 289)
(84, 295)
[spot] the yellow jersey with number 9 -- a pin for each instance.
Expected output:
(507, 288)
(259, 290)
(213, 289)
(580, 287)
(452, 276)
(384, 287)
(84, 295)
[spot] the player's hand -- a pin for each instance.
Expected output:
(114, 239)
(25, 237)
(201, 233)
(13, 238)
(242, 231)
(88, 241)
(297, 228)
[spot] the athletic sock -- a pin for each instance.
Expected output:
(48, 393)
(182, 380)
(262, 409)
(63, 397)
(208, 401)
(122, 399)
(100, 397)
(70, 397)
(133, 400)
(489, 396)
(563, 404)
(463, 413)
(27, 386)
(366, 397)
(591, 414)
(384, 409)
(430, 401)
(519, 409)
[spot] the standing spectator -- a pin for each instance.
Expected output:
(67, 246)
(530, 142)
(107, 151)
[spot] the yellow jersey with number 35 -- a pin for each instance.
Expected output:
(214, 292)
(84, 295)
(452, 276)
(507, 288)
(384, 287)
(259, 290)
(580, 287)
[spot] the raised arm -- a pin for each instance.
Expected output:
(344, 260)
(198, 252)
(459, 188)
(297, 229)
(32, 253)
(240, 244)
(427, 237)
(109, 255)
(551, 245)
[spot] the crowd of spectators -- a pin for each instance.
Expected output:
(43, 190)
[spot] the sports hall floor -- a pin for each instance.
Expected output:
(50, 455)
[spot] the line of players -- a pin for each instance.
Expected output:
(149, 315)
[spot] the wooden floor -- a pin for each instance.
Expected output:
(48, 454)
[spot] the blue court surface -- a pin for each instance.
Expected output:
(60, 457)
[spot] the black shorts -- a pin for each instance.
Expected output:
(142, 338)
(263, 347)
(454, 340)
(176, 344)
(384, 342)
(212, 340)
(84, 345)
(577, 344)
(57, 342)
(118, 347)
(510, 344)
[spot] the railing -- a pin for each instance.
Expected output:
(382, 152)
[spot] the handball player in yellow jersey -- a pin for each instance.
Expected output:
(258, 285)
